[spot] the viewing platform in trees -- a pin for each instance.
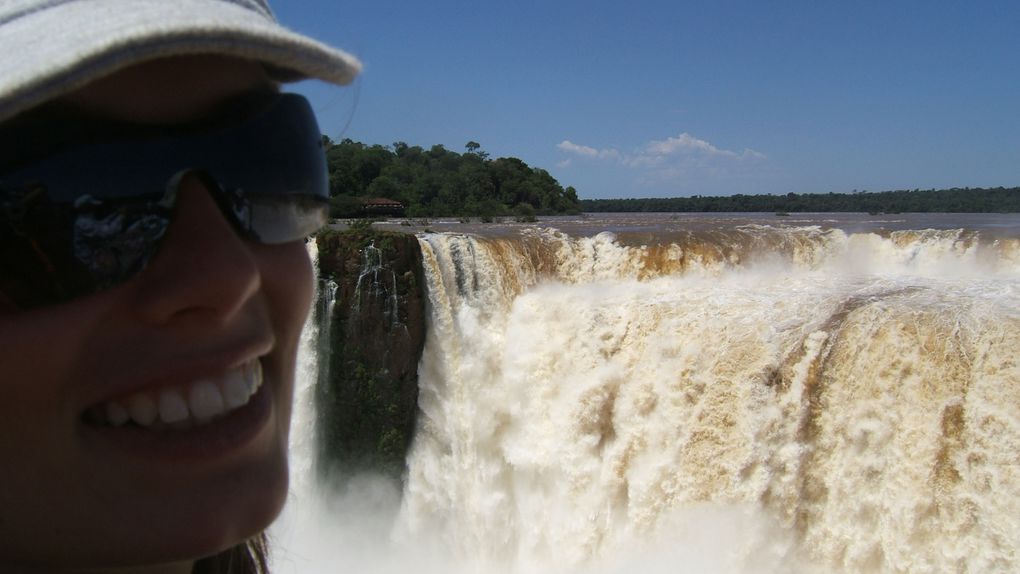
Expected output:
(382, 207)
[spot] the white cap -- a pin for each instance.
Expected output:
(52, 47)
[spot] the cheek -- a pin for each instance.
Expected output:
(45, 476)
(41, 356)
(36, 381)
(289, 284)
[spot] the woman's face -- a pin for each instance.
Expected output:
(210, 310)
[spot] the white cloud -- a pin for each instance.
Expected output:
(753, 155)
(682, 162)
(669, 157)
(686, 147)
(571, 147)
(685, 143)
(586, 151)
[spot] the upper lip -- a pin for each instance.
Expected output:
(137, 373)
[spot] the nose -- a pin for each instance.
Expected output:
(203, 271)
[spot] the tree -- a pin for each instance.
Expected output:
(967, 200)
(474, 148)
(440, 182)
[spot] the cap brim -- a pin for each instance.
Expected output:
(66, 45)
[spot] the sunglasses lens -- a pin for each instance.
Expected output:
(268, 175)
(115, 240)
(283, 219)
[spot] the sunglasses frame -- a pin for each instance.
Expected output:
(90, 217)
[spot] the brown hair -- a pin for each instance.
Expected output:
(249, 557)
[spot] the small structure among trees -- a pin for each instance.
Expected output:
(382, 207)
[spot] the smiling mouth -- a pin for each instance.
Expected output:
(184, 406)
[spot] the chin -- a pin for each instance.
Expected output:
(248, 511)
(190, 523)
(200, 506)
(224, 513)
(230, 508)
(249, 493)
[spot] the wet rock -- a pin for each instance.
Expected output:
(368, 398)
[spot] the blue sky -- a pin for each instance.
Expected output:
(667, 99)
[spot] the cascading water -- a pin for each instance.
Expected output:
(300, 538)
(310, 369)
(320, 530)
(375, 281)
(841, 401)
(738, 399)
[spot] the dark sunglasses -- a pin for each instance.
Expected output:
(92, 216)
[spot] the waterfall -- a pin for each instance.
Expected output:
(311, 367)
(301, 539)
(322, 530)
(817, 398)
(375, 282)
(736, 399)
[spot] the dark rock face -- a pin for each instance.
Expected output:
(368, 399)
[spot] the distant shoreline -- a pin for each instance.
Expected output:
(954, 200)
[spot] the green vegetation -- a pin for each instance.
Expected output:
(367, 394)
(441, 183)
(438, 182)
(955, 200)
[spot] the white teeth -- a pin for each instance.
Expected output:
(116, 414)
(142, 409)
(206, 400)
(172, 408)
(235, 390)
(253, 376)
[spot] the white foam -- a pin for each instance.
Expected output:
(839, 403)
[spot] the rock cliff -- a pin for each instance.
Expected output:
(367, 397)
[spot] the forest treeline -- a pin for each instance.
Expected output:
(955, 200)
(440, 182)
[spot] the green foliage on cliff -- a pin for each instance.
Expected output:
(955, 200)
(368, 393)
(440, 182)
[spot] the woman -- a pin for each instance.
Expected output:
(155, 193)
